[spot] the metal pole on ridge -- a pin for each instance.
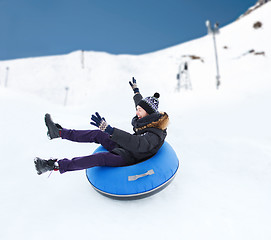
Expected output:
(6, 81)
(214, 31)
(66, 96)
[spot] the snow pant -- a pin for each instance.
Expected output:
(97, 159)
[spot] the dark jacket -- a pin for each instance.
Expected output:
(149, 135)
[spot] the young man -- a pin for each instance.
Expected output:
(124, 148)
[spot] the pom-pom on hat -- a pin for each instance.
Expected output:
(150, 104)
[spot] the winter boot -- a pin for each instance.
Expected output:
(43, 166)
(54, 129)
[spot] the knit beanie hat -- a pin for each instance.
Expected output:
(150, 104)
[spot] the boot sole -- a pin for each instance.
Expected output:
(49, 123)
(36, 162)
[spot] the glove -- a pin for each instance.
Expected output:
(100, 122)
(134, 86)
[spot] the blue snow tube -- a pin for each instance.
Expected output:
(138, 180)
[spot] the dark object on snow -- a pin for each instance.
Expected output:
(257, 25)
(261, 2)
(259, 53)
(54, 129)
(43, 166)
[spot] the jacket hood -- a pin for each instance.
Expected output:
(158, 120)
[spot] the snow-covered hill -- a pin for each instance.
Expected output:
(222, 138)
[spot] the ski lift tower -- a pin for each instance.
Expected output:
(183, 77)
(214, 30)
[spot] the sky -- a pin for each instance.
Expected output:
(31, 28)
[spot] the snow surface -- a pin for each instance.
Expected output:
(222, 138)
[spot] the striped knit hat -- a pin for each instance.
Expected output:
(150, 104)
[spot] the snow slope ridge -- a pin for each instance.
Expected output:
(88, 74)
(253, 8)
